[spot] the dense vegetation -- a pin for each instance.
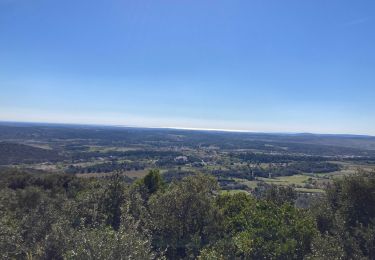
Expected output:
(58, 216)
(14, 153)
(106, 167)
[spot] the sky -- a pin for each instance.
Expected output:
(252, 65)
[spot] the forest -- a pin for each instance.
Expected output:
(60, 216)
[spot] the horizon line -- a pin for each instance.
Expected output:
(185, 128)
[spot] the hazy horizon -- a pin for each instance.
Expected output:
(285, 66)
(4, 122)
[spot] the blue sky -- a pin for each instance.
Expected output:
(273, 66)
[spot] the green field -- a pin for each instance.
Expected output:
(297, 181)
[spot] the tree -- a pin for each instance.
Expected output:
(184, 217)
(106, 243)
(262, 230)
(279, 194)
(153, 181)
(113, 200)
(347, 214)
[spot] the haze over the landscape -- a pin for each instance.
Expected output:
(288, 66)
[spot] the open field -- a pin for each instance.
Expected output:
(308, 182)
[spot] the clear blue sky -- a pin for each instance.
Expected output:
(265, 65)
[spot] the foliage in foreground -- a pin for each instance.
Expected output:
(63, 217)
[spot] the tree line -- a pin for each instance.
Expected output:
(58, 216)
